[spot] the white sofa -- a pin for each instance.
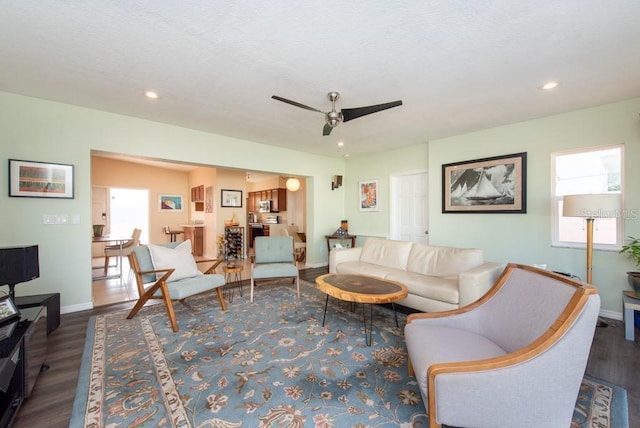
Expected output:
(438, 278)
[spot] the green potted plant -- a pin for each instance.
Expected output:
(632, 250)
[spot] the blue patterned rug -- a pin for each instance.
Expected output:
(270, 363)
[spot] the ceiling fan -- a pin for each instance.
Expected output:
(333, 117)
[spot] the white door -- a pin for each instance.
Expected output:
(409, 207)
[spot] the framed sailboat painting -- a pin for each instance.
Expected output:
(490, 185)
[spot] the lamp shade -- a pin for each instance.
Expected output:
(600, 205)
(293, 184)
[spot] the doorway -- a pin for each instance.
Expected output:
(121, 210)
(409, 216)
(128, 210)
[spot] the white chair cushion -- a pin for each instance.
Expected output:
(428, 345)
(178, 258)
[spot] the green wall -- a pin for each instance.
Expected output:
(526, 238)
(521, 238)
(37, 130)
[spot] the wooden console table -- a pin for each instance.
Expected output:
(336, 237)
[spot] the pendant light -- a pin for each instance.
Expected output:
(293, 184)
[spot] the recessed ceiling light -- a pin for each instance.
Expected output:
(549, 85)
(340, 144)
(151, 94)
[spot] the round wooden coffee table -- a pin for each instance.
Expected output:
(361, 289)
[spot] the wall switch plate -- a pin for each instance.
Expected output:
(75, 219)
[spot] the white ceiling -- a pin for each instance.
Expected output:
(457, 65)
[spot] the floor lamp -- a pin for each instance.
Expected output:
(590, 207)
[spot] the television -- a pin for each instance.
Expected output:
(18, 265)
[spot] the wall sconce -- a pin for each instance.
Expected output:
(336, 182)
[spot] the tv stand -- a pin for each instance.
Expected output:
(22, 355)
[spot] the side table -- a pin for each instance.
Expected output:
(232, 279)
(340, 237)
(630, 305)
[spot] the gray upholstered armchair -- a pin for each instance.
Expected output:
(516, 357)
(274, 258)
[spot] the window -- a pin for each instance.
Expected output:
(593, 170)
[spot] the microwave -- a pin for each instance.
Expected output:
(265, 207)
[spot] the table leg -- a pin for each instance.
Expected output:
(629, 324)
(395, 314)
(326, 302)
(367, 332)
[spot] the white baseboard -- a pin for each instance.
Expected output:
(611, 315)
(76, 308)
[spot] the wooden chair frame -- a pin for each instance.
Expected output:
(161, 284)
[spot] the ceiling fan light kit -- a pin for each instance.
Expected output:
(333, 118)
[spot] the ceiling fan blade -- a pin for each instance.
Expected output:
(354, 113)
(293, 103)
(327, 129)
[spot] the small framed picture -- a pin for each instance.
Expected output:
(40, 179)
(8, 309)
(368, 196)
(170, 203)
(231, 198)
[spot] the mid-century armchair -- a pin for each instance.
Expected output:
(274, 258)
(169, 272)
(514, 358)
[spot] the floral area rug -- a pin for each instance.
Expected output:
(270, 363)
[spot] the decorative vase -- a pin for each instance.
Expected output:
(98, 230)
(634, 281)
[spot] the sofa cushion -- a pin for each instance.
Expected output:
(442, 261)
(429, 287)
(360, 268)
(385, 252)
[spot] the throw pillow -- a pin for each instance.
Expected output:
(179, 258)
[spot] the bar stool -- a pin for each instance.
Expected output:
(232, 280)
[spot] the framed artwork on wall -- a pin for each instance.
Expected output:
(170, 203)
(40, 179)
(231, 198)
(368, 195)
(490, 185)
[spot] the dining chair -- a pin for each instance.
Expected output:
(127, 247)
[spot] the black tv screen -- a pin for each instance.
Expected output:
(18, 264)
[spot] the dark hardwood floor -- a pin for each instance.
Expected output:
(612, 359)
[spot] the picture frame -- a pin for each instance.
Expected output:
(369, 195)
(33, 179)
(231, 198)
(170, 203)
(489, 185)
(8, 309)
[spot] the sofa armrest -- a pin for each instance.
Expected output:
(474, 283)
(340, 256)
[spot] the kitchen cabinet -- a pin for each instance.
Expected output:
(197, 194)
(278, 199)
(196, 235)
